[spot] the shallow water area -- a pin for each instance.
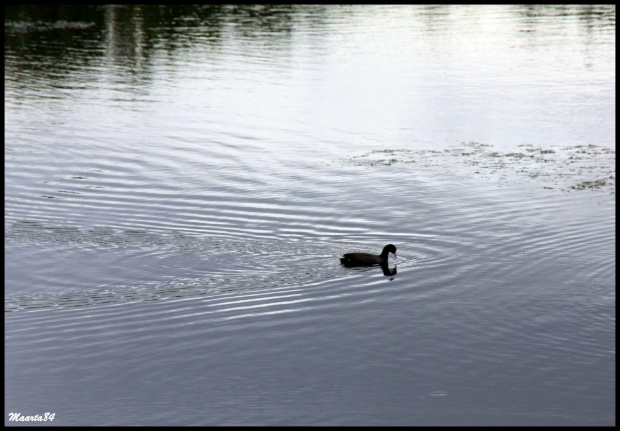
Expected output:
(181, 182)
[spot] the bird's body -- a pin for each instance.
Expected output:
(366, 259)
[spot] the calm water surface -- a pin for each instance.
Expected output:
(180, 182)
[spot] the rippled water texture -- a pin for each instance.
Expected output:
(180, 182)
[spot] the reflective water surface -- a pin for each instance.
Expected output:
(180, 182)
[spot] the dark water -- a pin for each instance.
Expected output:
(180, 182)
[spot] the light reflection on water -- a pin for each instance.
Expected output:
(180, 182)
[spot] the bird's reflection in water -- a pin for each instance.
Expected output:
(388, 271)
(384, 267)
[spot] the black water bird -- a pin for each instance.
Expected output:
(367, 259)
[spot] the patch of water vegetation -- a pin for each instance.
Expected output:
(565, 168)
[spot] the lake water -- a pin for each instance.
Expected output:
(180, 182)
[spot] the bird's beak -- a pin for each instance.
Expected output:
(394, 254)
